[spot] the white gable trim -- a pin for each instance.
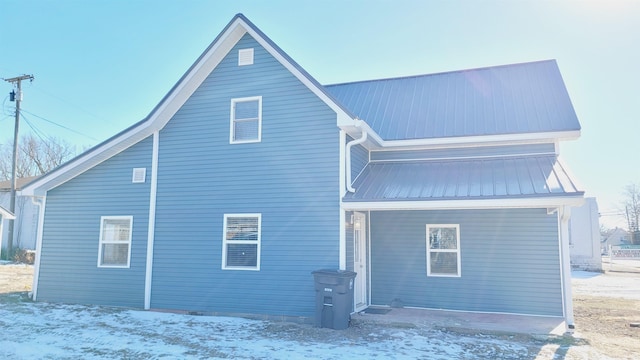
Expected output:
(344, 119)
(172, 102)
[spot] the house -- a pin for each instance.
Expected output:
(441, 191)
(26, 221)
(584, 237)
(614, 237)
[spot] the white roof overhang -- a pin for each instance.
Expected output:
(375, 142)
(542, 202)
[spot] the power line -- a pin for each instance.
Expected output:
(59, 125)
(39, 133)
(69, 103)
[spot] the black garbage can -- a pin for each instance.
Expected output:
(334, 298)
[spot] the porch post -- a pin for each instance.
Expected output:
(564, 214)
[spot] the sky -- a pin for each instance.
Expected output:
(100, 66)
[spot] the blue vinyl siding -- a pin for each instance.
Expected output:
(291, 178)
(509, 258)
(359, 159)
(467, 152)
(68, 268)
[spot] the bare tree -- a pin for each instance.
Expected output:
(631, 205)
(36, 156)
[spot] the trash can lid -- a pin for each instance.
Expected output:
(334, 272)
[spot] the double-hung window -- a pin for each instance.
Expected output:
(443, 250)
(246, 120)
(115, 241)
(241, 242)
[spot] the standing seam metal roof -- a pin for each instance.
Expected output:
(509, 99)
(468, 179)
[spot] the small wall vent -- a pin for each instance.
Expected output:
(245, 57)
(139, 175)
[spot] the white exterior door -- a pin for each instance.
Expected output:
(360, 260)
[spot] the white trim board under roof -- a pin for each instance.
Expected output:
(547, 202)
(177, 96)
(375, 142)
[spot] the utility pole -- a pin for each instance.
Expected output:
(14, 181)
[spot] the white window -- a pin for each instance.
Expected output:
(245, 57)
(443, 250)
(246, 120)
(241, 242)
(115, 241)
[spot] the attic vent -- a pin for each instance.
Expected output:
(245, 57)
(139, 175)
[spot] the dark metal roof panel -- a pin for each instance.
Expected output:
(509, 99)
(490, 178)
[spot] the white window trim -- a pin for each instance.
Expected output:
(233, 115)
(225, 242)
(429, 250)
(102, 241)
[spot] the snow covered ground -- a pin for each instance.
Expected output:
(32, 331)
(55, 331)
(614, 284)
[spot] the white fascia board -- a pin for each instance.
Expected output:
(86, 161)
(377, 143)
(481, 140)
(158, 118)
(343, 117)
(197, 74)
(6, 215)
(549, 202)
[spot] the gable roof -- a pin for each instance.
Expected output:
(20, 182)
(501, 100)
(525, 102)
(177, 96)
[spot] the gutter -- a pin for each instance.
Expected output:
(351, 143)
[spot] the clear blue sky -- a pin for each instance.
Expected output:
(101, 66)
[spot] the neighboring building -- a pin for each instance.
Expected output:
(586, 253)
(26, 212)
(441, 191)
(615, 237)
(4, 215)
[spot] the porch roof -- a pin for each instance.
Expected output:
(502, 178)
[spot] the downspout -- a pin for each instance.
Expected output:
(40, 203)
(351, 143)
(564, 214)
(343, 214)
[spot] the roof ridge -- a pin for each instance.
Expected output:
(441, 73)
